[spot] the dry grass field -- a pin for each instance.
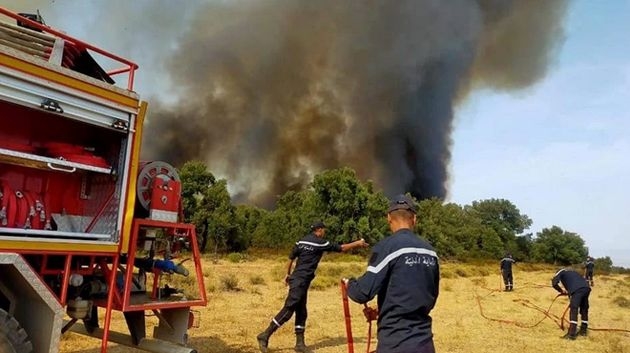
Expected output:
(244, 295)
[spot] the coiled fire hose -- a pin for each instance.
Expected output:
(348, 320)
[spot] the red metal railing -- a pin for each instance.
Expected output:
(128, 66)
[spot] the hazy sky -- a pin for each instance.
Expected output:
(559, 150)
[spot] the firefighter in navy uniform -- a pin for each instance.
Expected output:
(578, 290)
(308, 252)
(506, 272)
(589, 266)
(404, 272)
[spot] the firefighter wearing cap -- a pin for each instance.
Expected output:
(506, 272)
(589, 266)
(308, 251)
(404, 272)
(578, 290)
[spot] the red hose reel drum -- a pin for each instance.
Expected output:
(23, 209)
(159, 190)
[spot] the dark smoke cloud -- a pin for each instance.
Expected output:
(270, 92)
(277, 90)
(518, 42)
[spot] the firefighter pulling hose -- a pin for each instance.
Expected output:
(559, 320)
(578, 290)
(403, 271)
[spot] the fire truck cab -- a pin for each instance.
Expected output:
(87, 230)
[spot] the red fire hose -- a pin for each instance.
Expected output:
(22, 210)
(348, 320)
(346, 314)
(27, 209)
(560, 321)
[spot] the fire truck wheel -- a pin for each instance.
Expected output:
(13, 338)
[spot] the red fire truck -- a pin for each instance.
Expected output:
(87, 230)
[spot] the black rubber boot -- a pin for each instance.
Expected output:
(583, 330)
(263, 337)
(300, 346)
(572, 333)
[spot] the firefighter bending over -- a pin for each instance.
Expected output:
(577, 289)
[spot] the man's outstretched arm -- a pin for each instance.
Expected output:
(355, 244)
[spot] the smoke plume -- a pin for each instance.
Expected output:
(274, 91)
(268, 93)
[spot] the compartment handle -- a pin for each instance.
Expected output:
(61, 169)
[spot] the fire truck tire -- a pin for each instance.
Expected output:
(13, 338)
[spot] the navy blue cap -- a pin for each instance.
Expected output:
(402, 202)
(317, 225)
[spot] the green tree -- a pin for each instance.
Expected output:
(486, 241)
(444, 226)
(349, 207)
(556, 246)
(489, 244)
(207, 204)
(503, 217)
(297, 211)
(196, 179)
(455, 231)
(289, 221)
(275, 231)
(247, 219)
(603, 265)
(218, 212)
